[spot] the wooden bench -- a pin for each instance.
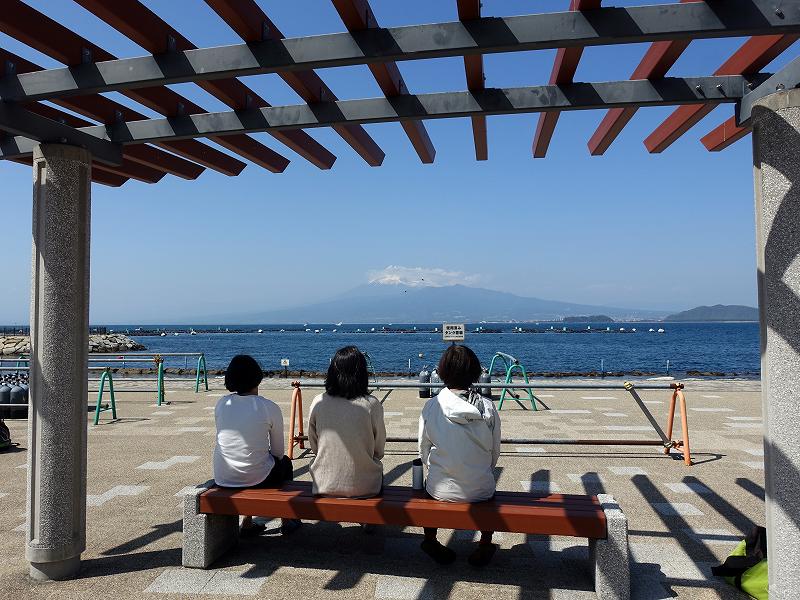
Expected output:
(211, 520)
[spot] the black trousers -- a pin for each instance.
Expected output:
(281, 471)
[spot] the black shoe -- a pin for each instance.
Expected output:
(255, 530)
(441, 554)
(369, 528)
(482, 555)
(290, 526)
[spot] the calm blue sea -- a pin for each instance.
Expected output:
(729, 348)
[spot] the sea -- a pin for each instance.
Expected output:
(647, 349)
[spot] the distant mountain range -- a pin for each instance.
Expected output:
(397, 303)
(718, 312)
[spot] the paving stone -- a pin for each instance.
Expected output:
(598, 397)
(540, 487)
(392, 587)
(117, 490)
(628, 470)
(174, 460)
(615, 414)
(590, 478)
(683, 509)
(688, 488)
(720, 537)
(709, 396)
(710, 409)
(754, 451)
(628, 428)
(569, 411)
(745, 418)
(180, 581)
(529, 449)
(756, 464)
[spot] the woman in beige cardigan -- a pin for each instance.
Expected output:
(346, 431)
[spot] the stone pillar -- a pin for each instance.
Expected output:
(56, 526)
(776, 159)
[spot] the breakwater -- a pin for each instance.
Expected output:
(16, 345)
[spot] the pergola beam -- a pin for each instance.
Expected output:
(137, 22)
(100, 108)
(603, 26)
(18, 121)
(53, 39)
(358, 16)
(469, 10)
(723, 135)
(655, 63)
(755, 54)
(564, 68)
(574, 96)
(250, 22)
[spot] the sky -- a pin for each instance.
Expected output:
(631, 229)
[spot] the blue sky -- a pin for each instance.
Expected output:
(627, 229)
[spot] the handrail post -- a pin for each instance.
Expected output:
(101, 387)
(160, 378)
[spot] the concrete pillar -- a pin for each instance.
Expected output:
(776, 159)
(56, 526)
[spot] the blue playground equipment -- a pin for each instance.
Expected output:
(511, 364)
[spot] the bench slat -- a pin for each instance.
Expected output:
(513, 497)
(402, 506)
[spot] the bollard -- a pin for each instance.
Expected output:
(424, 377)
(437, 380)
(485, 377)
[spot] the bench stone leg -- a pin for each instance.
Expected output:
(205, 537)
(610, 557)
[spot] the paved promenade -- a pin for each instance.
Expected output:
(682, 519)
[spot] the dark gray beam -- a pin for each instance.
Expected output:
(574, 96)
(785, 79)
(711, 19)
(17, 121)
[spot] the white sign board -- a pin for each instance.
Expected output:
(453, 332)
(284, 362)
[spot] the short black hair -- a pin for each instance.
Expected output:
(459, 368)
(243, 374)
(347, 375)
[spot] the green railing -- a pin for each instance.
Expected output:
(511, 364)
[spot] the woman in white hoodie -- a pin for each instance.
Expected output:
(459, 442)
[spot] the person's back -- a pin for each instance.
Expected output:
(460, 447)
(347, 437)
(459, 442)
(249, 438)
(346, 431)
(249, 447)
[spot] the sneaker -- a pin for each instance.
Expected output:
(441, 554)
(369, 528)
(289, 526)
(482, 555)
(255, 530)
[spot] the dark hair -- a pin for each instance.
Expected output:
(347, 374)
(243, 374)
(459, 368)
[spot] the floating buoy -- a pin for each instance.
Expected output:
(660, 331)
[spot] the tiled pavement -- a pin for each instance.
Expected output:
(682, 519)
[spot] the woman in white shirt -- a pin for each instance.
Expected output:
(459, 442)
(249, 448)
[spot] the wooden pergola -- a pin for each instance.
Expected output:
(110, 143)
